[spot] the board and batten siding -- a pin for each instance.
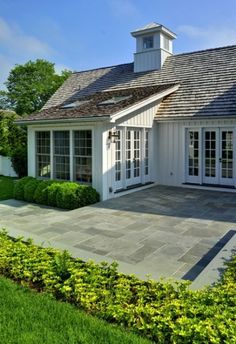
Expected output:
(169, 147)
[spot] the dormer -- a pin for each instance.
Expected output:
(154, 43)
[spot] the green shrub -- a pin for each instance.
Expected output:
(52, 193)
(67, 197)
(29, 189)
(165, 312)
(41, 192)
(19, 187)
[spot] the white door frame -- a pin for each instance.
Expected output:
(139, 163)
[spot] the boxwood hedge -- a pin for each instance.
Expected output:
(66, 195)
(165, 312)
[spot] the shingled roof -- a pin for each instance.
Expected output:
(207, 84)
(99, 104)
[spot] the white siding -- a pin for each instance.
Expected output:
(140, 118)
(169, 147)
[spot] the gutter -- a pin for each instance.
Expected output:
(63, 120)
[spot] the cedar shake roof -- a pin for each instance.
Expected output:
(207, 85)
(99, 104)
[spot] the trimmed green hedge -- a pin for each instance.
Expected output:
(164, 312)
(65, 195)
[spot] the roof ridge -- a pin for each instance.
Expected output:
(99, 68)
(206, 50)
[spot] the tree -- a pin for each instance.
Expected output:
(12, 136)
(29, 86)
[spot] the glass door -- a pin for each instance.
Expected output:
(226, 157)
(133, 157)
(211, 156)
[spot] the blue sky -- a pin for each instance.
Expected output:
(85, 34)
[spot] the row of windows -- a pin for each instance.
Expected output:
(82, 155)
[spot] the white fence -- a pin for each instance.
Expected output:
(6, 168)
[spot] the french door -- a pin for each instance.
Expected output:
(210, 156)
(131, 157)
(218, 156)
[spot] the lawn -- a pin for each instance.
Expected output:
(6, 187)
(31, 318)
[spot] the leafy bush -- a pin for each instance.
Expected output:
(41, 192)
(65, 195)
(162, 311)
(29, 189)
(19, 187)
(52, 194)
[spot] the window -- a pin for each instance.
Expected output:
(83, 156)
(146, 159)
(62, 155)
(43, 168)
(118, 157)
(166, 43)
(148, 42)
(193, 153)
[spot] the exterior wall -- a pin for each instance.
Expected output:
(147, 60)
(142, 118)
(97, 129)
(169, 147)
(6, 168)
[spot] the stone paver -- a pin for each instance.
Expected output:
(159, 231)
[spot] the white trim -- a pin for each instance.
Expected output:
(143, 103)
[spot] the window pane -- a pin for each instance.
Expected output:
(43, 167)
(83, 156)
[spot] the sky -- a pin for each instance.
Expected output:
(86, 34)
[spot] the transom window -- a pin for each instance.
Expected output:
(148, 42)
(61, 155)
(83, 156)
(43, 167)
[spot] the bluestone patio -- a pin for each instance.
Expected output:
(161, 231)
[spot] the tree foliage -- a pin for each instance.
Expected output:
(30, 85)
(11, 135)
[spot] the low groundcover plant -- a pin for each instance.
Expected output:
(164, 311)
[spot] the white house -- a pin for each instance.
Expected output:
(168, 119)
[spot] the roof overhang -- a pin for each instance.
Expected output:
(195, 117)
(148, 101)
(95, 118)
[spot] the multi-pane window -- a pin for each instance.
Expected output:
(43, 168)
(128, 154)
(136, 159)
(61, 154)
(210, 153)
(146, 158)
(83, 156)
(148, 42)
(227, 153)
(118, 157)
(193, 153)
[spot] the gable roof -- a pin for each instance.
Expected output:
(102, 104)
(207, 84)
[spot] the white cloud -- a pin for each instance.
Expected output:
(60, 67)
(12, 37)
(5, 65)
(123, 8)
(210, 37)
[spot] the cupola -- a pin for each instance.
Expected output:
(154, 43)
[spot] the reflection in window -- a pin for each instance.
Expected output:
(83, 156)
(193, 153)
(61, 155)
(43, 167)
